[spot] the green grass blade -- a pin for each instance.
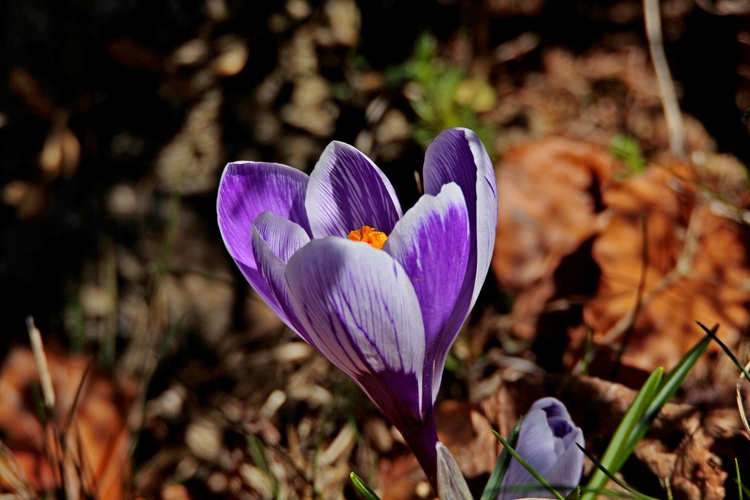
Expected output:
(667, 388)
(362, 487)
(257, 452)
(615, 453)
(501, 467)
(526, 466)
(739, 478)
(575, 494)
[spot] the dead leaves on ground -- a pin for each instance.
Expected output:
(667, 249)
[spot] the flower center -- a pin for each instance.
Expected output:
(368, 235)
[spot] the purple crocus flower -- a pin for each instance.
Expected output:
(547, 442)
(387, 312)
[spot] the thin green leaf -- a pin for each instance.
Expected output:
(257, 452)
(575, 494)
(362, 487)
(501, 467)
(630, 489)
(616, 451)
(739, 478)
(526, 466)
(667, 389)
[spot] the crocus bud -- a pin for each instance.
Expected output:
(547, 442)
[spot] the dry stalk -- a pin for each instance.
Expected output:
(35, 337)
(666, 84)
(740, 402)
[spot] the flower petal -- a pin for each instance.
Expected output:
(536, 444)
(566, 473)
(432, 243)
(547, 443)
(451, 483)
(275, 240)
(246, 190)
(358, 306)
(457, 155)
(347, 191)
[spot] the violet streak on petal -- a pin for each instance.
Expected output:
(547, 441)
(249, 188)
(457, 155)
(432, 243)
(348, 191)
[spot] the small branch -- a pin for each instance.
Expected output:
(666, 85)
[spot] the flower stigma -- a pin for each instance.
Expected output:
(368, 235)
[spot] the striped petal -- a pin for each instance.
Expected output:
(246, 190)
(457, 155)
(359, 305)
(347, 191)
(361, 312)
(432, 244)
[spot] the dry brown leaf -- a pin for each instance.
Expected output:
(696, 269)
(558, 198)
(597, 406)
(548, 205)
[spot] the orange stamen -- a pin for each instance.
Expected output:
(369, 235)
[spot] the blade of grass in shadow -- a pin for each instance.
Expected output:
(141, 400)
(526, 466)
(667, 389)
(257, 453)
(501, 467)
(622, 484)
(743, 374)
(363, 488)
(712, 334)
(740, 486)
(617, 446)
